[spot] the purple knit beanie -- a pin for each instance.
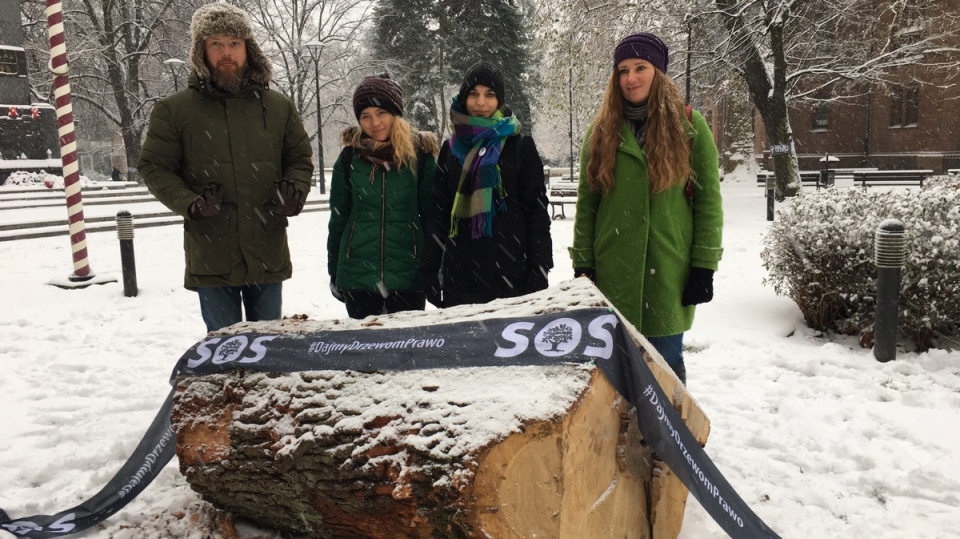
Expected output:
(644, 46)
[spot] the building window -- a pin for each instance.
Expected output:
(821, 113)
(911, 106)
(905, 106)
(8, 62)
(896, 106)
(910, 22)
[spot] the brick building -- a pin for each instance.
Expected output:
(28, 131)
(911, 124)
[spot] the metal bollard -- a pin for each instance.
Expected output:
(127, 261)
(890, 254)
(771, 196)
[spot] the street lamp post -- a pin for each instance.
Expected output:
(316, 48)
(174, 64)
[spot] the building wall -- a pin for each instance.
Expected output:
(14, 87)
(860, 132)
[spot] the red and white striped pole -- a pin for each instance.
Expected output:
(68, 141)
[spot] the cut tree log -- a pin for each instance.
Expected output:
(487, 452)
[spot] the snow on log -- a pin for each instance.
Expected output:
(488, 452)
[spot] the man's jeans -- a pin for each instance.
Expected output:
(220, 305)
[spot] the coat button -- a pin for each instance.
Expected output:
(482, 151)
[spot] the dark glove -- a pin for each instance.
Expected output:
(589, 273)
(287, 199)
(699, 287)
(337, 293)
(430, 280)
(209, 202)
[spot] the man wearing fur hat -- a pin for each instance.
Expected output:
(232, 157)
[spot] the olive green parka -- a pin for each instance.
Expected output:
(377, 219)
(643, 245)
(247, 141)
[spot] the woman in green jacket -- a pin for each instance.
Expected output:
(649, 215)
(381, 190)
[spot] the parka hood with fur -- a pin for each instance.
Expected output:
(220, 18)
(423, 141)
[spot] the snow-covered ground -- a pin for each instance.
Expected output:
(819, 438)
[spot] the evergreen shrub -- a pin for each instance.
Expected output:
(820, 253)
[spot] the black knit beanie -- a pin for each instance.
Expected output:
(645, 46)
(378, 91)
(484, 73)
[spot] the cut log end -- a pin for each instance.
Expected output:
(413, 454)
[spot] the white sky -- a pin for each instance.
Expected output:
(819, 438)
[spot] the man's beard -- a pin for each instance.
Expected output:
(230, 80)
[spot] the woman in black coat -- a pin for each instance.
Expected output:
(489, 234)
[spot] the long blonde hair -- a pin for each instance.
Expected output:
(667, 143)
(401, 136)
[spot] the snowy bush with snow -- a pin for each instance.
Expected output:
(820, 253)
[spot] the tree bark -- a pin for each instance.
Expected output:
(768, 91)
(338, 454)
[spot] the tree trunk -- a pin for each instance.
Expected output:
(768, 90)
(459, 453)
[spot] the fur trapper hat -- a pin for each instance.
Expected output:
(484, 73)
(220, 18)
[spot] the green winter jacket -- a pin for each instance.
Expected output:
(641, 245)
(377, 220)
(247, 142)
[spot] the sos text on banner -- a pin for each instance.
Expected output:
(570, 337)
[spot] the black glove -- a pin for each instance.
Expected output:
(287, 199)
(337, 293)
(209, 202)
(699, 287)
(430, 280)
(589, 273)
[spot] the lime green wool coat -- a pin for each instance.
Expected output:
(642, 246)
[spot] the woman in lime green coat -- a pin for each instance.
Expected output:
(649, 214)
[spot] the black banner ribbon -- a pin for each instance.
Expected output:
(155, 450)
(568, 337)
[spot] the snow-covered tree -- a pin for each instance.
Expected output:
(314, 43)
(791, 50)
(429, 44)
(115, 51)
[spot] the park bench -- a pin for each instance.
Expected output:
(554, 204)
(862, 177)
(807, 177)
(867, 178)
(564, 186)
(953, 171)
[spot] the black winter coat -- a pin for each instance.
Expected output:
(513, 262)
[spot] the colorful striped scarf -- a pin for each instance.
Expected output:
(475, 137)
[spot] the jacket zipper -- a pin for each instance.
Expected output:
(413, 234)
(353, 229)
(383, 224)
